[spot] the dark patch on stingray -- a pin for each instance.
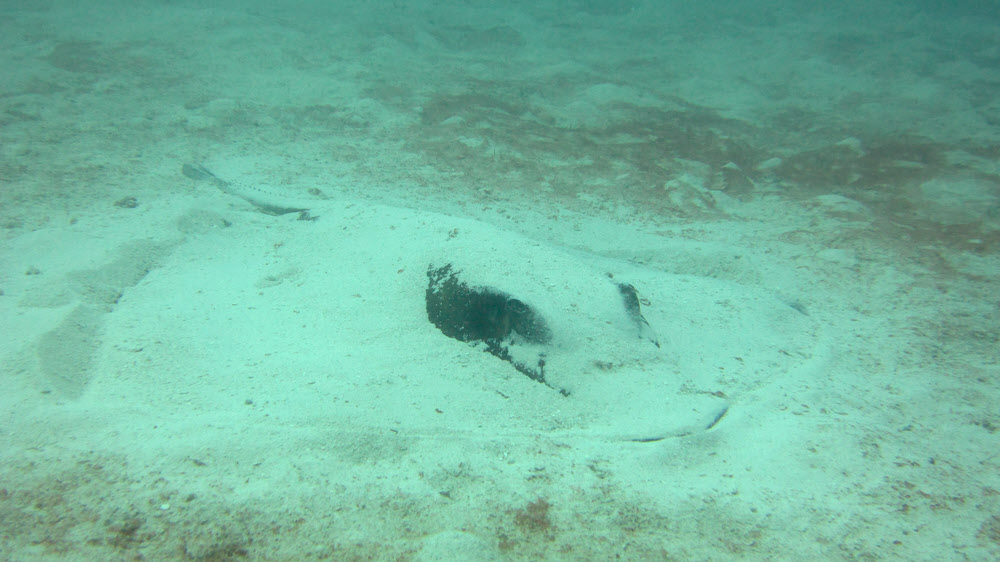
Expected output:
(485, 314)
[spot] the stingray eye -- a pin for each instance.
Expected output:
(644, 302)
(516, 307)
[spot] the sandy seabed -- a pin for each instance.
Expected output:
(806, 199)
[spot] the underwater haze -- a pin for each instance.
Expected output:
(527, 280)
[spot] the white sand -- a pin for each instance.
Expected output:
(808, 201)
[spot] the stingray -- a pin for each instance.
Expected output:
(419, 322)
